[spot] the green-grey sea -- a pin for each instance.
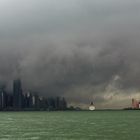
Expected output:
(71, 125)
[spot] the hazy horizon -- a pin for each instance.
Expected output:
(82, 50)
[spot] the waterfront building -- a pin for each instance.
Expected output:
(135, 104)
(17, 94)
(2, 98)
(33, 101)
(64, 104)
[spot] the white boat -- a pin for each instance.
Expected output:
(91, 107)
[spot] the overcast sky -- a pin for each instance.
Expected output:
(84, 50)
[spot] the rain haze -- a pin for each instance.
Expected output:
(82, 50)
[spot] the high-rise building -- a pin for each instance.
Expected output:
(33, 101)
(17, 94)
(57, 103)
(2, 98)
(63, 104)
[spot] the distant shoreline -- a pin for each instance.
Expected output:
(43, 110)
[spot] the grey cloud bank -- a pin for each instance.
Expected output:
(83, 50)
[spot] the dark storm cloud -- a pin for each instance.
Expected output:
(83, 50)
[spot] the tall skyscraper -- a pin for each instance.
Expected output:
(2, 97)
(17, 94)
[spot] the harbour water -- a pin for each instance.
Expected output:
(80, 125)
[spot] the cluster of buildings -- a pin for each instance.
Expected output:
(135, 104)
(28, 101)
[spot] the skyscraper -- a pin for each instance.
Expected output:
(17, 94)
(2, 98)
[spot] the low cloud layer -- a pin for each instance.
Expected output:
(82, 50)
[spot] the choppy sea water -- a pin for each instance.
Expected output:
(82, 125)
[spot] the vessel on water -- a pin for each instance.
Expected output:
(91, 107)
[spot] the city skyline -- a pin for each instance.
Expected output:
(20, 100)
